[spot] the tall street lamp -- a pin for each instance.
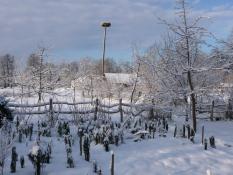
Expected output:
(105, 25)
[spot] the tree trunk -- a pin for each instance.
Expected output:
(212, 111)
(193, 101)
(39, 96)
(189, 64)
(135, 84)
(112, 164)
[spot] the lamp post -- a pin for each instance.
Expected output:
(105, 25)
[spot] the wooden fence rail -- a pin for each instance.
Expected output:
(98, 107)
(46, 104)
(222, 110)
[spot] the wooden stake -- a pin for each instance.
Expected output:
(112, 164)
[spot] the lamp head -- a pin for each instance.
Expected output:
(106, 24)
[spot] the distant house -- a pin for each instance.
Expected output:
(118, 79)
(124, 79)
(225, 89)
(115, 84)
(226, 85)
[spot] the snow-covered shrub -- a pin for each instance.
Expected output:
(6, 142)
(14, 159)
(5, 112)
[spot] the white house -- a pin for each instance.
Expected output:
(120, 79)
(114, 84)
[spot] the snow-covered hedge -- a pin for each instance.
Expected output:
(5, 112)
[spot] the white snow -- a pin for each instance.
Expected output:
(159, 156)
(35, 150)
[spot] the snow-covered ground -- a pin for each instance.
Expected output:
(158, 156)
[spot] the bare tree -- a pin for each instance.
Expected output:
(135, 82)
(188, 38)
(7, 69)
(39, 72)
(178, 65)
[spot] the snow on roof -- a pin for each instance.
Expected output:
(120, 78)
(226, 85)
(114, 78)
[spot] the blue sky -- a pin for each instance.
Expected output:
(71, 28)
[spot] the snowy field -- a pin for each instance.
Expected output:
(158, 156)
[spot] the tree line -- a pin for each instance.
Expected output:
(37, 67)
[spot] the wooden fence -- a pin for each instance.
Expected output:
(51, 108)
(216, 111)
(57, 107)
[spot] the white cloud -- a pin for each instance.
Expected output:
(75, 24)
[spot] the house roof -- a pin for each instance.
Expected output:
(226, 85)
(120, 78)
(114, 78)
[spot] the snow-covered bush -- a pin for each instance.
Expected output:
(40, 153)
(5, 112)
(6, 142)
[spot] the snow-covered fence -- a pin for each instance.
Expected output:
(89, 107)
(216, 111)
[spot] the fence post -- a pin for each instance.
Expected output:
(112, 163)
(80, 134)
(81, 144)
(183, 131)
(229, 112)
(205, 144)
(96, 109)
(51, 111)
(151, 112)
(120, 109)
(74, 93)
(202, 135)
(212, 111)
(175, 131)
(188, 131)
